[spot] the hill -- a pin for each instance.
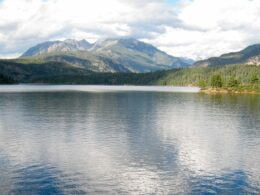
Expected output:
(25, 71)
(249, 56)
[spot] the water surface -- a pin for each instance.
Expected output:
(128, 142)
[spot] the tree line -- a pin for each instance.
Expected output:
(230, 76)
(6, 79)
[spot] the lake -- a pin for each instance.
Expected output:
(127, 140)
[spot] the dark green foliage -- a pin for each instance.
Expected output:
(201, 76)
(202, 83)
(25, 72)
(105, 78)
(216, 81)
(6, 80)
(197, 76)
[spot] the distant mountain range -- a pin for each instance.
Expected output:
(108, 55)
(249, 56)
(73, 59)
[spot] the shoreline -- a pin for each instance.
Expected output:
(205, 90)
(211, 90)
(97, 88)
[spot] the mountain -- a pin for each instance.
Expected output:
(108, 55)
(57, 46)
(136, 56)
(250, 56)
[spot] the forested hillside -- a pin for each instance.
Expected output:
(202, 76)
(231, 76)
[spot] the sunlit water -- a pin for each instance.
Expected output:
(110, 141)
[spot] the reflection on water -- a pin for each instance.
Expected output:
(128, 142)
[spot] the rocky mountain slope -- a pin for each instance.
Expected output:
(109, 55)
(57, 46)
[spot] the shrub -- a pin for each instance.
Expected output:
(233, 82)
(254, 79)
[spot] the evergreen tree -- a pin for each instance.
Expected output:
(202, 83)
(6, 79)
(216, 81)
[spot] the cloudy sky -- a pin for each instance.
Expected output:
(189, 28)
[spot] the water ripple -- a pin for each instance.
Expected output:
(129, 143)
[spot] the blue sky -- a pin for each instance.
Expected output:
(172, 2)
(196, 29)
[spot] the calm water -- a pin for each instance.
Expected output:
(128, 142)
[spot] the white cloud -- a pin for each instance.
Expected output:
(197, 29)
(24, 23)
(210, 28)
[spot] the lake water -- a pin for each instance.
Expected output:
(127, 140)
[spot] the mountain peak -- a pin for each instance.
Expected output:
(57, 46)
(124, 42)
(112, 54)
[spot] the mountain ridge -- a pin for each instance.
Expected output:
(112, 55)
(56, 46)
(250, 56)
